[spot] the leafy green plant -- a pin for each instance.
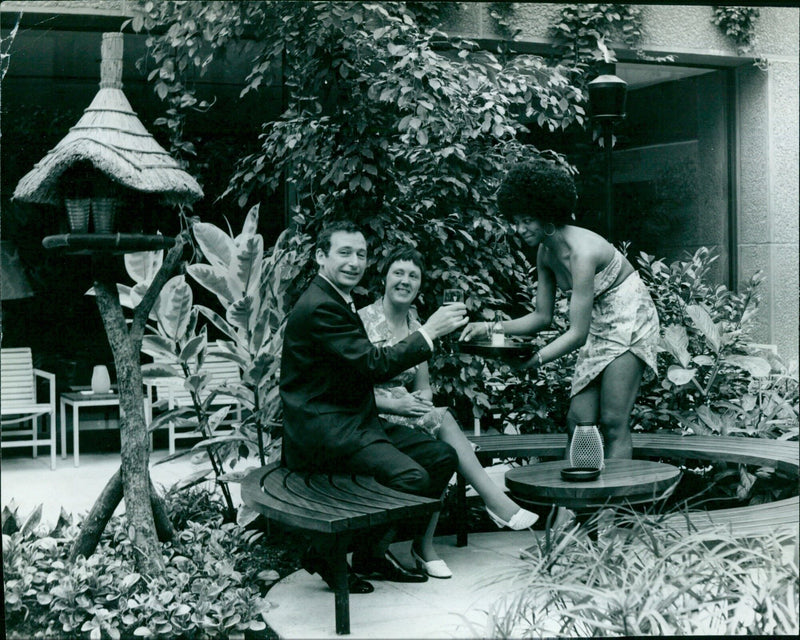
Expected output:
(179, 350)
(584, 37)
(711, 358)
(714, 378)
(503, 14)
(738, 23)
(252, 287)
(211, 587)
(769, 407)
(584, 34)
(649, 580)
(196, 504)
(386, 121)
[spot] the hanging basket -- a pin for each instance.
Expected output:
(103, 210)
(78, 214)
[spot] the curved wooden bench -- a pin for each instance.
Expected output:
(745, 521)
(339, 506)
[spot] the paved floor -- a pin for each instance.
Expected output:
(484, 573)
(30, 481)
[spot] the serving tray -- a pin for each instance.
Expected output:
(511, 349)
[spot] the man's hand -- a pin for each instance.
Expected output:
(446, 319)
(412, 405)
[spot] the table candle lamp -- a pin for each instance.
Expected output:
(586, 448)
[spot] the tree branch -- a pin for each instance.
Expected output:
(168, 267)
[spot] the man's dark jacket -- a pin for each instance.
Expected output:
(328, 371)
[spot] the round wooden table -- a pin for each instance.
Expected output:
(620, 482)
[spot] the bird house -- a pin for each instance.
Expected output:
(105, 161)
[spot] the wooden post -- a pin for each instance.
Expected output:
(111, 61)
(341, 585)
(144, 510)
(608, 140)
(134, 439)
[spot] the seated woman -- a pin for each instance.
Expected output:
(407, 400)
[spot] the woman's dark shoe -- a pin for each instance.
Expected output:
(386, 568)
(313, 562)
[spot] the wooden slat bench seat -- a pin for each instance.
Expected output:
(745, 521)
(340, 506)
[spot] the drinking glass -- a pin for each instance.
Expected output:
(452, 296)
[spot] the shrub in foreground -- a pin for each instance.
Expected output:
(211, 588)
(652, 580)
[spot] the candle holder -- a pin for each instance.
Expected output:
(586, 447)
(103, 210)
(101, 381)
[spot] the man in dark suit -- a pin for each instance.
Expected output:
(328, 370)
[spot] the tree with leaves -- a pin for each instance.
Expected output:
(386, 121)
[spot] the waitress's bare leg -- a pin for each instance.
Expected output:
(619, 387)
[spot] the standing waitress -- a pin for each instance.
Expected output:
(612, 319)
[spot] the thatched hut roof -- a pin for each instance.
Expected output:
(111, 137)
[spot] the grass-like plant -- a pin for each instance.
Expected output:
(646, 579)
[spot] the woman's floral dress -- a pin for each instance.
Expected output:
(374, 319)
(624, 318)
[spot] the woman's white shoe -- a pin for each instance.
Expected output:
(434, 568)
(522, 519)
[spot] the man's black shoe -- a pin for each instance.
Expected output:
(386, 568)
(313, 562)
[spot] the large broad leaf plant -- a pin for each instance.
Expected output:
(251, 287)
(716, 378)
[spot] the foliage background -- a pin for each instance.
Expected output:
(386, 121)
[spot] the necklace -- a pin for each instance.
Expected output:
(398, 328)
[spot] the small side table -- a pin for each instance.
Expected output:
(78, 399)
(621, 482)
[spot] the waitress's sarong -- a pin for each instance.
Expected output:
(624, 318)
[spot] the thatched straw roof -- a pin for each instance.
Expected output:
(111, 137)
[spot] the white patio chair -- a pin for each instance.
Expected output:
(19, 404)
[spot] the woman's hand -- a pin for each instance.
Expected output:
(412, 405)
(530, 364)
(475, 330)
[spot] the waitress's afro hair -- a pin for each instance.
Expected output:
(540, 189)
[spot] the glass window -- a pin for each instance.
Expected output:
(670, 164)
